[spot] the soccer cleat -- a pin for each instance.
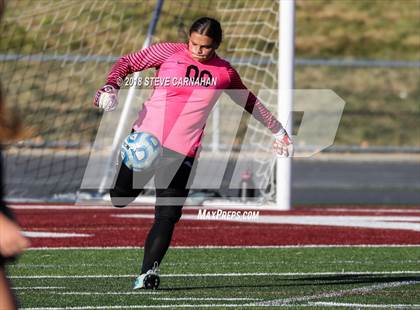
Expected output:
(149, 280)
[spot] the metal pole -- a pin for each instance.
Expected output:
(285, 97)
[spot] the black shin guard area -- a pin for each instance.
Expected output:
(160, 235)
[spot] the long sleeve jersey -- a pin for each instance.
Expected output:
(184, 94)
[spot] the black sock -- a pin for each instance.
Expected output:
(157, 243)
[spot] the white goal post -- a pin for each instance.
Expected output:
(57, 53)
(285, 75)
(285, 96)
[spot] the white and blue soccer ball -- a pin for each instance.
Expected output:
(141, 151)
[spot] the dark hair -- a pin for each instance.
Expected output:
(209, 27)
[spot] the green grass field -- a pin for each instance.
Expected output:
(328, 277)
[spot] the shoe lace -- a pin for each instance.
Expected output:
(155, 268)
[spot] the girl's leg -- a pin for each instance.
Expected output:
(7, 299)
(160, 235)
(128, 186)
(169, 202)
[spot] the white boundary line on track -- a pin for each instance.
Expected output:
(253, 207)
(237, 247)
(403, 210)
(181, 275)
(411, 223)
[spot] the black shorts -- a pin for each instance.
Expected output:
(173, 177)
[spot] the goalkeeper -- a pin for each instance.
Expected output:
(176, 114)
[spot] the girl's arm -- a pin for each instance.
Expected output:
(151, 57)
(106, 97)
(245, 98)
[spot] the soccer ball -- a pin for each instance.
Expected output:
(140, 151)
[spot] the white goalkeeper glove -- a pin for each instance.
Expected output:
(106, 98)
(283, 145)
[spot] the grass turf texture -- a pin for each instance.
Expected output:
(376, 269)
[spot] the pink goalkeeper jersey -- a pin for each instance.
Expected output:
(177, 111)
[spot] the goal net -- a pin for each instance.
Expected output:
(55, 54)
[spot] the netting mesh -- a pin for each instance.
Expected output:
(55, 54)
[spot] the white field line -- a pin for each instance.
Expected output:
(196, 306)
(23, 266)
(238, 306)
(38, 288)
(247, 263)
(108, 293)
(237, 247)
(206, 298)
(158, 298)
(359, 290)
(254, 274)
(287, 302)
(351, 305)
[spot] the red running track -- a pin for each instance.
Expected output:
(103, 229)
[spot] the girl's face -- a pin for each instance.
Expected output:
(200, 46)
